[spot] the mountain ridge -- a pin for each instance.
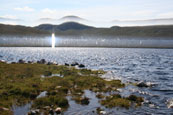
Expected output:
(77, 29)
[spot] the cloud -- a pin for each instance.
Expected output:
(9, 18)
(26, 8)
(9, 22)
(49, 11)
(166, 15)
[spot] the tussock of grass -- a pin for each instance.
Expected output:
(116, 100)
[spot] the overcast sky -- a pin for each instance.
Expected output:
(28, 11)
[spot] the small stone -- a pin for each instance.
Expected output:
(58, 87)
(74, 64)
(13, 62)
(49, 63)
(51, 112)
(151, 105)
(21, 61)
(46, 107)
(142, 84)
(81, 66)
(170, 103)
(66, 64)
(30, 62)
(58, 110)
(4, 109)
(103, 112)
(85, 101)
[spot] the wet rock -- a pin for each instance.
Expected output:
(3, 61)
(170, 103)
(46, 108)
(66, 64)
(142, 84)
(4, 109)
(34, 112)
(21, 61)
(58, 87)
(103, 112)
(30, 62)
(85, 101)
(74, 64)
(13, 62)
(55, 63)
(81, 66)
(146, 84)
(100, 111)
(150, 84)
(49, 63)
(58, 110)
(151, 105)
(51, 112)
(42, 61)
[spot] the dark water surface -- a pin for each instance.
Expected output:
(129, 65)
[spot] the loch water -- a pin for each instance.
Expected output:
(128, 64)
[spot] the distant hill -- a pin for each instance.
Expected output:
(161, 21)
(77, 29)
(63, 27)
(21, 30)
(116, 31)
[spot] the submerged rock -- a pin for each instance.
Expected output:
(85, 101)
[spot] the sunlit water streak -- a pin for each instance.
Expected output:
(53, 40)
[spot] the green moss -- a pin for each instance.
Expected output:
(117, 101)
(100, 96)
(81, 100)
(56, 101)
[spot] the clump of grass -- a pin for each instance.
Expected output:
(135, 99)
(81, 100)
(56, 101)
(47, 73)
(116, 100)
(100, 96)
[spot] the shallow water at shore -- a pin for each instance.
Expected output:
(129, 65)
